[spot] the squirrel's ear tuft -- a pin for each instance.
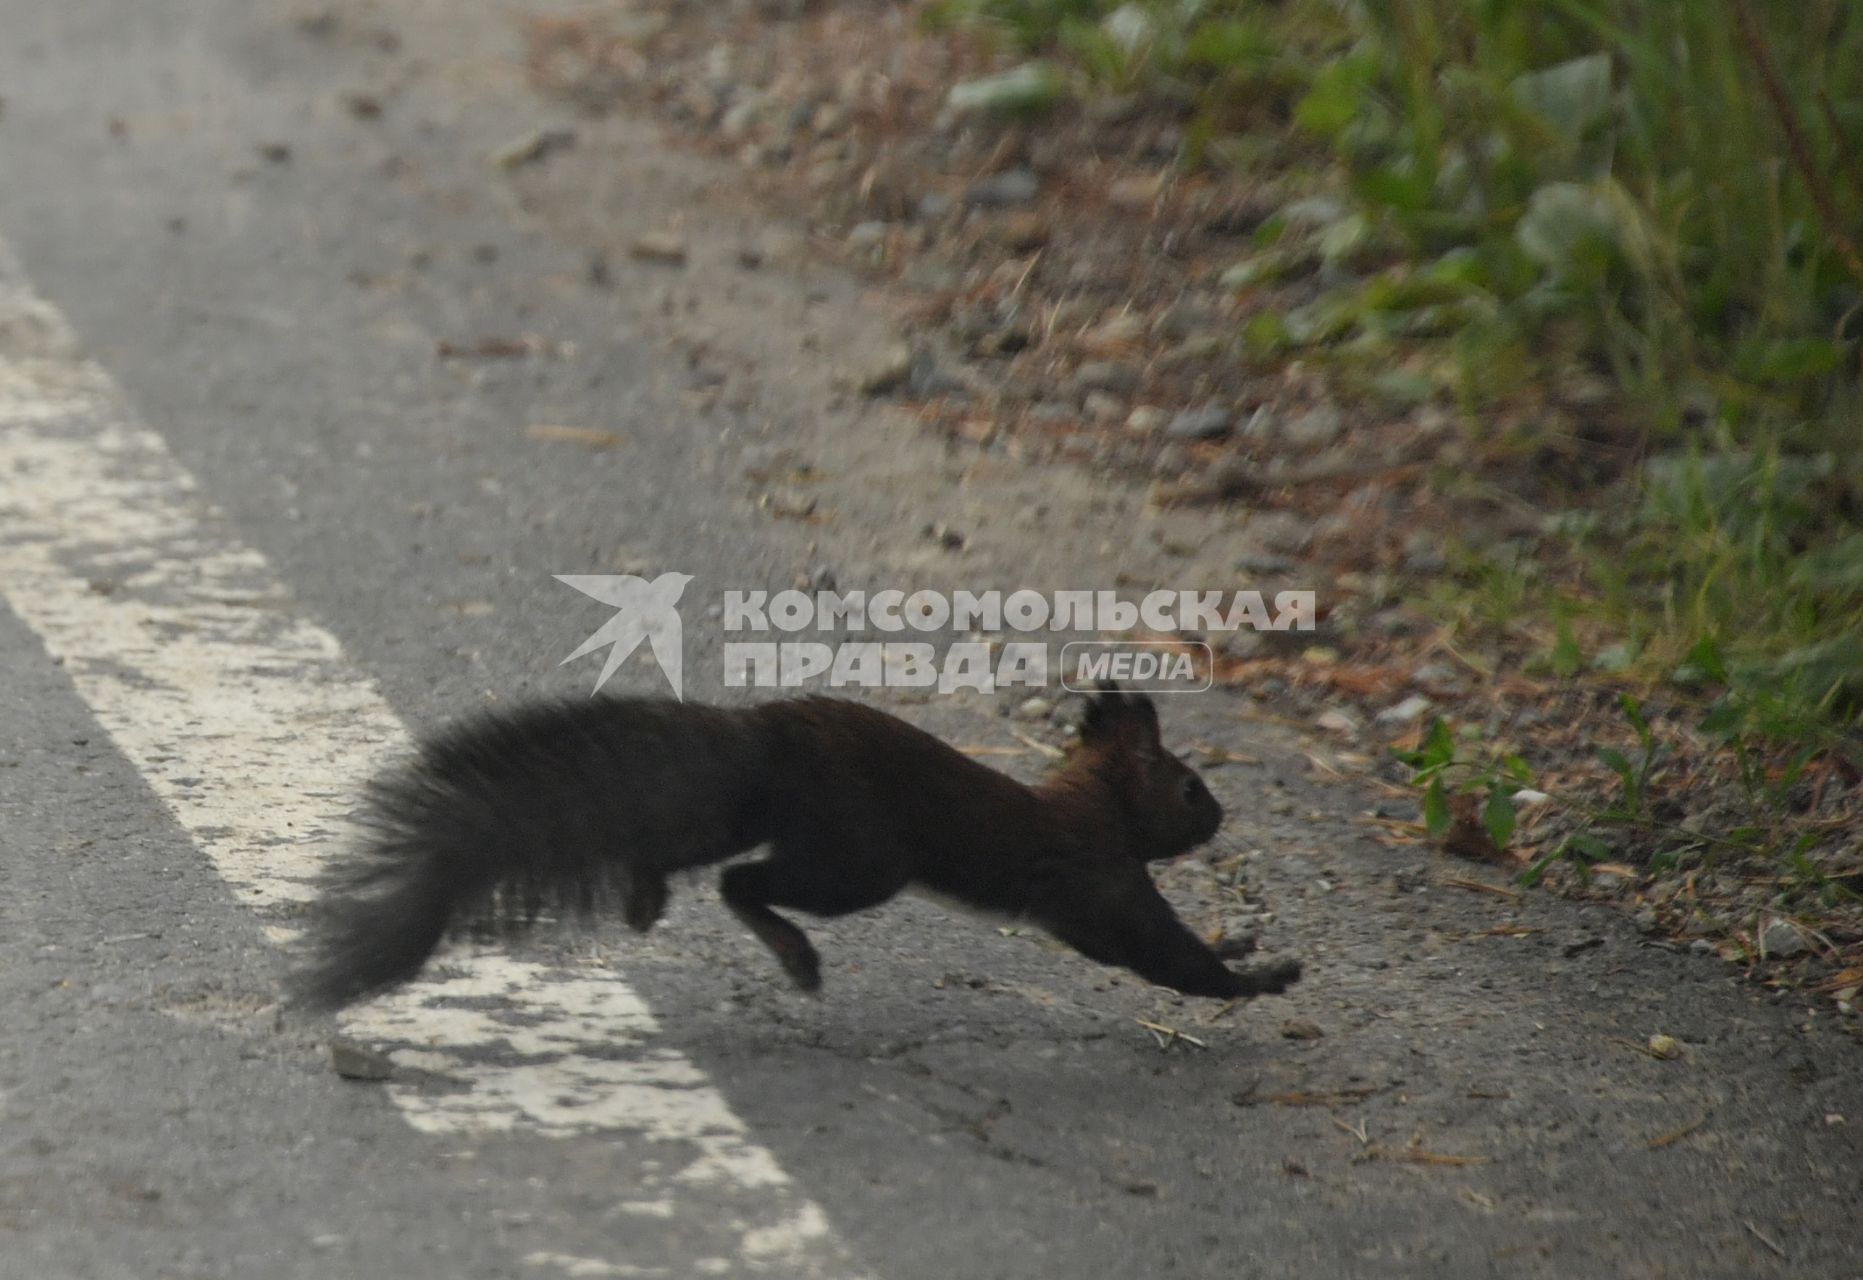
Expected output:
(1112, 711)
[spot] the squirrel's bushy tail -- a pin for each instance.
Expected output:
(570, 806)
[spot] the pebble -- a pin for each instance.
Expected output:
(1315, 428)
(664, 247)
(928, 378)
(1337, 720)
(1300, 1029)
(1102, 407)
(1780, 940)
(1000, 190)
(1408, 711)
(1114, 333)
(1135, 192)
(1022, 231)
(888, 373)
(1106, 375)
(1210, 422)
(866, 234)
(740, 119)
(357, 1062)
(934, 205)
(1280, 531)
(1423, 552)
(1146, 419)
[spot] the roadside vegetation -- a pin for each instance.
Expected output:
(1621, 239)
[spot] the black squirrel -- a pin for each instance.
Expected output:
(585, 806)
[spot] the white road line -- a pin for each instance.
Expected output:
(255, 730)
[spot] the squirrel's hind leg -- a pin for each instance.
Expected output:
(643, 900)
(742, 888)
(750, 889)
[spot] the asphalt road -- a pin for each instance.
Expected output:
(263, 278)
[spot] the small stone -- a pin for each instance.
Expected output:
(1438, 673)
(1338, 720)
(1022, 231)
(737, 122)
(1034, 709)
(1102, 407)
(928, 378)
(1260, 424)
(1668, 1048)
(664, 247)
(1408, 711)
(934, 205)
(1315, 428)
(1646, 919)
(1423, 552)
(531, 147)
(1106, 375)
(1701, 947)
(866, 234)
(1146, 419)
(1210, 422)
(1780, 939)
(829, 118)
(1114, 334)
(888, 373)
(1135, 192)
(1300, 1029)
(1281, 531)
(1001, 190)
(357, 1062)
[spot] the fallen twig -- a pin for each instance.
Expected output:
(1416, 1155)
(1053, 753)
(1479, 886)
(1168, 1034)
(1764, 1239)
(1676, 1135)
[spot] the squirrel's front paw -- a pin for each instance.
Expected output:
(803, 966)
(1235, 948)
(1270, 979)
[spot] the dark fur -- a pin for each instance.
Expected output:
(587, 806)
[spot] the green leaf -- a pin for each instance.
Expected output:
(1587, 848)
(1572, 96)
(1537, 872)
(1439, 743)
(1566, 658)
(1338, 95)
(1633, 712)
(1706, 657)
(1568, 226)
(1787, 360)
(1028, 89)
(1498, 817)
(1436, 808)
(1619, 763)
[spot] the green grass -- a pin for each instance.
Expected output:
(1657, 195)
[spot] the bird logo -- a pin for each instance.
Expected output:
(646, 611)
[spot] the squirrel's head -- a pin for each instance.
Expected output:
(1170, 810)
